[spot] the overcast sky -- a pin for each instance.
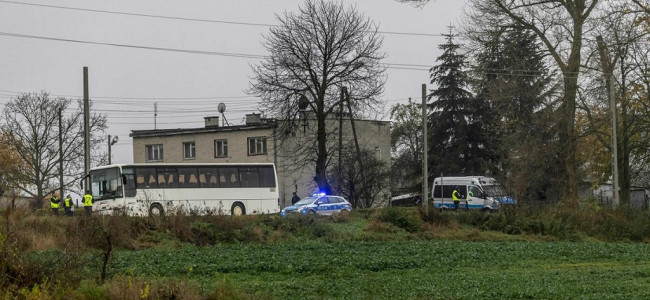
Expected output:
(45, 45)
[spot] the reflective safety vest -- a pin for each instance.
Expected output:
(54, 202)
(88, 200)
(67, 202)
(455, 195)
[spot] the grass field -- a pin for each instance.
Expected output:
(420, 269)
(389, 253)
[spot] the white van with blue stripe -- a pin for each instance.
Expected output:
(471, 190)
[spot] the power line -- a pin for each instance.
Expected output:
(414, 67)
(187, 19)
(134, 46)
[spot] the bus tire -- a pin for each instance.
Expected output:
(238, 209)
(156, 210)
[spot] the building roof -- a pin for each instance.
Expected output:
(181, 131)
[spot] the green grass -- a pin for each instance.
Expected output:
(550, 253)
(435, 269)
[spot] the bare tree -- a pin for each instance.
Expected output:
(361, 187)
(642, 5)
(623, 58)
(406, 145)
(31, 121)
(312, 55)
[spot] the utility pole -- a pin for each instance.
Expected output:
(608, 74)
(343, 92)
(425, 171)
(109, 149)
(354, 133)
(86, 131)
(155, 114)
(60, 156)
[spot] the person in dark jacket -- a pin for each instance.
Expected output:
(294, 199)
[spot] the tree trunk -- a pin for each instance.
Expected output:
(624, 181)
(321, 160)
(567, 126)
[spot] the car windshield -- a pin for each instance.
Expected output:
(308, 200)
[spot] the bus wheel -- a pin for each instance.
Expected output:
(238, 209)
(156, 210)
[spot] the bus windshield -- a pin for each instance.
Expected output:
(106, 184)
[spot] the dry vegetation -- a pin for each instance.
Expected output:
(44, 256)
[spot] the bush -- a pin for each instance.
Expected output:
(122, 287)
(405, 218)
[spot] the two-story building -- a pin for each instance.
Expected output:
(259, 141)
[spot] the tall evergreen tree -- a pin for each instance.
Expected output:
(512, 75)
(458, 143)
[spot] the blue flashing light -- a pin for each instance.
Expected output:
(319, 194)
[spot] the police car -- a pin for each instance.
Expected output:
(318, 204)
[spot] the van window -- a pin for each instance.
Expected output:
(448, 189)
(474, 191)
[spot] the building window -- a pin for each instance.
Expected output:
(154, 152)
(189, 150)
(220, 148)
(256, 145)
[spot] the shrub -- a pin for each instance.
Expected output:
(405, 218)
(122, 287)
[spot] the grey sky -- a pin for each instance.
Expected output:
(126, 81)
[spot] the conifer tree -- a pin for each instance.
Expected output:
(459, 122)
(511, 75)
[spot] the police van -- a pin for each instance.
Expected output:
(472, 192)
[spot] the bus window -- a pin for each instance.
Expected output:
(188, 177)
(250, 177)
(267, 176)
(161, 180)
(230, 177)
(208, 177)
(140, 180)
(167, 178)
(129, 188)
(148, 176)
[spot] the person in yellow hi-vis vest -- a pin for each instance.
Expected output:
(88, 203)
(67, 205)
(54, 204)
(456, 197)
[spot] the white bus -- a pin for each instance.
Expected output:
(154, 189)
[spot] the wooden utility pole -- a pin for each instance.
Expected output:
(608, 74)
(425, 171)
(354, 133)
(86, 131)
(60, 156)
(343, 92)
